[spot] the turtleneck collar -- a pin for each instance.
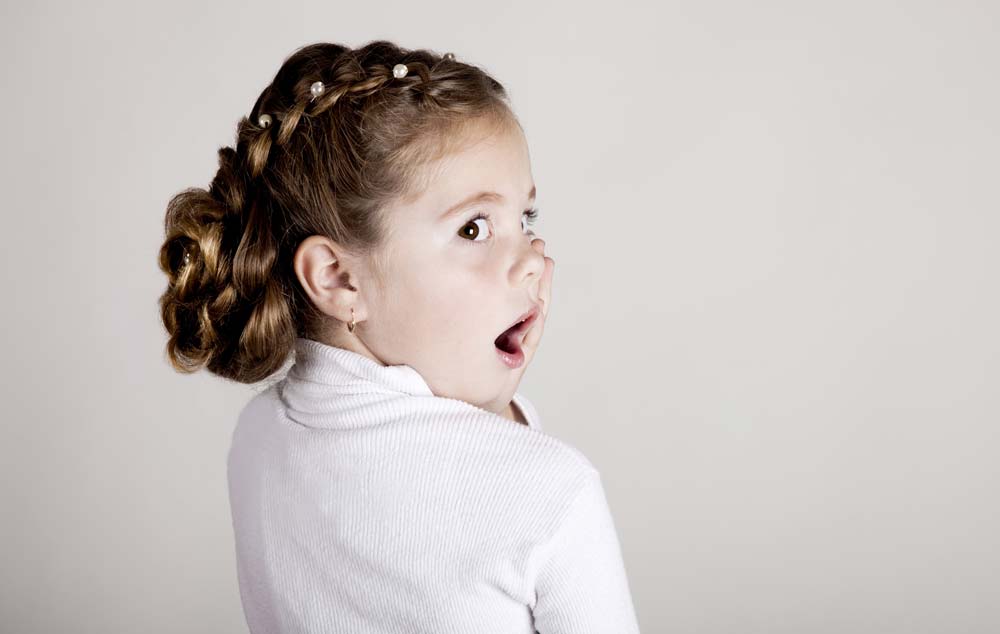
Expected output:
(322, 363)
(331, 387)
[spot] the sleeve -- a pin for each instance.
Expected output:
(580, 583)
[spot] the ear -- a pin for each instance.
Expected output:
(330, 277)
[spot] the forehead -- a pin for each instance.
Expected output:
(494, 161)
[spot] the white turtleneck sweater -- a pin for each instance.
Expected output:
(361, 502)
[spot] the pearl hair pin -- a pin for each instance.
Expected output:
(316, 89)
(399, 70)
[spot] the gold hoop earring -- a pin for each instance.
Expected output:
(350, 326)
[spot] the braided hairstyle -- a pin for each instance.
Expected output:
(328, 165)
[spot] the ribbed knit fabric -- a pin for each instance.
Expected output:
(361, 502)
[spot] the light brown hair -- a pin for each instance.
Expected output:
(326, 166)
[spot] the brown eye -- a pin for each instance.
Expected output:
(471, 230)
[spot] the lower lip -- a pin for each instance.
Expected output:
(511, 360)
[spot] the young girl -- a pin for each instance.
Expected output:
(371, 220)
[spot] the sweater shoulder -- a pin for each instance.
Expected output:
(545, 451)
(446, 437)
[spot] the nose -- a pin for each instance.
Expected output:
(530, 263)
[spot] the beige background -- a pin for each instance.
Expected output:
(774, 323)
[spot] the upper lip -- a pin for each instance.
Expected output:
(528, 317)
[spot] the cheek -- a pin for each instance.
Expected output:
(454, 302)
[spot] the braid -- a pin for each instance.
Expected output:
(349, 79)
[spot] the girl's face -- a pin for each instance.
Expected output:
(455, 282)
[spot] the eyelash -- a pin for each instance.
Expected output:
(532, 215)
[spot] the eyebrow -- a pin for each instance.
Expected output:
(481, 197)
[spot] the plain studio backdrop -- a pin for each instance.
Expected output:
(775, 314)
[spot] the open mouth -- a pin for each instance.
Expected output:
(510, 340)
